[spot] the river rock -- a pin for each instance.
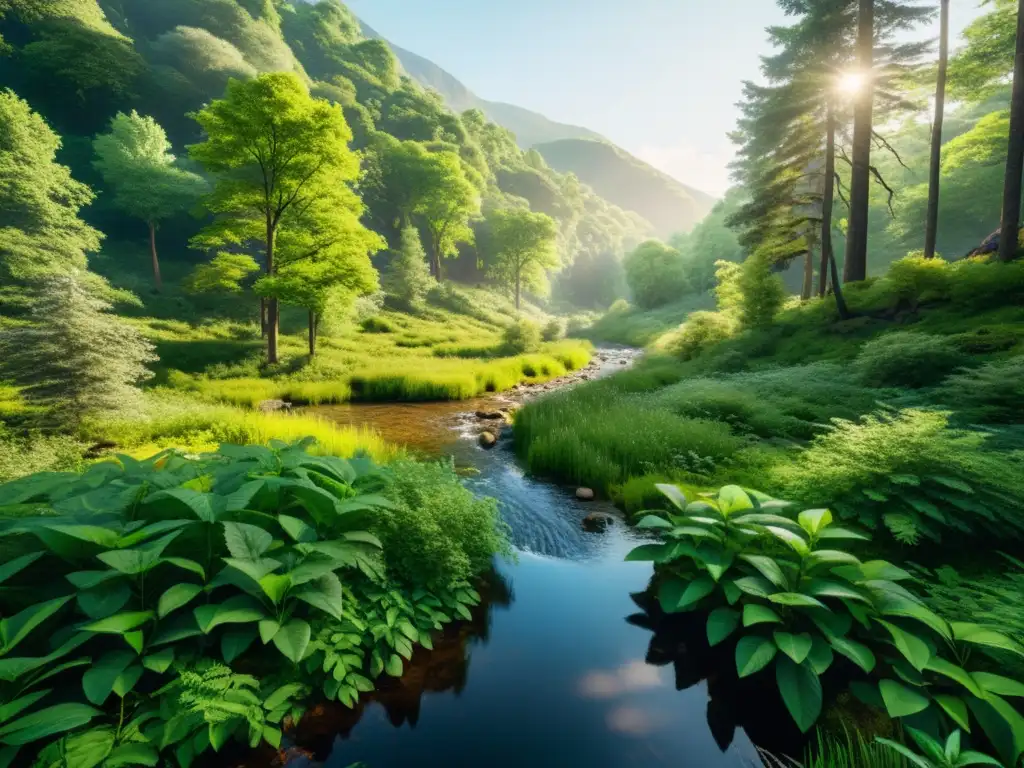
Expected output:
(585, 494)
(597, 522)
(488, 440)
(268, 406)
(490, 415)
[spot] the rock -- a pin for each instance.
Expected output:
(488, 440)
(597, 522)
(490, 415)
(623, 362)
(585, 494)
(268, 406)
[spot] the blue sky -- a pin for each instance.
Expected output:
(659, 77)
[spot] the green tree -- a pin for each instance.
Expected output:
(1008, 237)
(447, 212)
(135, 159)
(407, 278)
(40, 230)
(935, 168)
(282, 169)
(654, 273)
(73, 356)
(524, 245)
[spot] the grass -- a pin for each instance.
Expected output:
(639, 328)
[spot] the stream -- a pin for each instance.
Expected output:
(554, 670)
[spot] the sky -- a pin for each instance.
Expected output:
(660, 78)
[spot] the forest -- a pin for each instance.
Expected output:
(221, 221)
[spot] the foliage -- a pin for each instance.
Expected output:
(701, 331)
(794, 600)
(908, 359)
(852, 750)
(267, 534)
(521, 336)
(762, 291)
(655, 274)
(937, 755)
(913, 473)
(523, 246)
(407, 278)
(553, 330)
(38, 453)
(72, 356)
(991, 394)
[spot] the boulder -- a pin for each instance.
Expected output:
(490, 415)
(597, 522)
(488, 440)
(268, 406)
(585, 494)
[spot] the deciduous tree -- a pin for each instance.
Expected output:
(524, 245)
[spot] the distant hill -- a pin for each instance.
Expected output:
(630, 183)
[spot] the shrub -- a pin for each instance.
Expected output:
(522, 336)
(991, 394)
(655, 274)
(365, 307)
(979, 283)
(618, 307)
(701, 331)
(785, 592)
(915, 278)
(377, 324)
(407, 278)
(438, 533)
(907, 359)
(909, 471)
(553, 330)
(762, 290)
(21, 456)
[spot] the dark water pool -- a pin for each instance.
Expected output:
(550, 672)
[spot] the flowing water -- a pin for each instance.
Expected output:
(557, 668)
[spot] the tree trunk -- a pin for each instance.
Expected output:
(519, 283)
(157, 280)
(827, 199)
(931, 229)
(272, 307)
(1015, 155)
(312, 333)
(837, 289)
(808, 286)
(263, 317)
(855, 267)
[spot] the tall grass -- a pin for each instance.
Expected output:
(852, 750)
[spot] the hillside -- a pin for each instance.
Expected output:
(630, 183)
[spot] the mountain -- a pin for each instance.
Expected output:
(630, 183)
(669, 205)
(529, 127)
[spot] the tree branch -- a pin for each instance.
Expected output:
(892, 194)
(881, 142)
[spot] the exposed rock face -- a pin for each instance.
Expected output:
(585, 494)
(598, 522)
(268, 406)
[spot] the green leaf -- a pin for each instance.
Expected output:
(856, 652)
(12, 708)
(801, 691)
(159, 661)
(821, 656)
(140, 559)
(234, 642)
(11, 567)
(913, 757)
(239, 609)
(647, 553)
(394, 666)
(175, 597)
(126, 681)
(695, 591)
(831, 557)
(768, 568)
(829, 588)
(653, 522)
(722, 622)
(1003, 725)
(246, 542)
(838, 532)
(759, 614)
(913, 648)
(813, 520)
(901, 701)
(293, 639)
(47, 722)
(275, 586)
(993, 683)
(134, 639)
(794, 540)
(977, 634)
(795, 646)
(132, 755)
(98, 680)
(120, 623)
(958, 674)
(297, 529)
(755, 585)
(733, 499)
(673, 494)
(187, 565)
(268, 628)
(753, 654)
(205, 507)
(16, 628)
(956, 708)
(102, 601)
(795, 599)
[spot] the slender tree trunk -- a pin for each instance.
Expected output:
(519, 284)
(931, 229)
(1015, 155)
(157, 280)
(837, 289)
(855, 267)
(272, 306)
(312, 333)
(263, 317)
(808, 286)
(827, 199)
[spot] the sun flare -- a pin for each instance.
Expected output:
(851, 82)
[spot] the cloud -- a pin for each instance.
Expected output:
(633, 676)
(705, 169)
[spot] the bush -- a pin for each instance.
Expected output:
(376, 324)
(992, 394)
(553, 330)
(701, 331)
(915, 278)
(908, 359)
(618, 307)
(979, 283)
(439, 533)
(762, 290)
(522, 336)
(655, 274)
(407, 278)
(21, 456)
(909, 471)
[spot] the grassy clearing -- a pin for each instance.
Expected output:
(638, 328)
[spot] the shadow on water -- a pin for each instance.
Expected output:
(555, 669)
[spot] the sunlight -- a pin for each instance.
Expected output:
(850, 82)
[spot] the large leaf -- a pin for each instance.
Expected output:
(138, 559)
(1003, 725)
(914, 649)
(673, 494)
(796, 600)
(205, 507)
(813, 520)
(722, 622)
(16, 628)
(47, 722)
(759, 614)
(976, 634)
(293, 639)
(953, 672)
(768, 568)
(801, 691)
(175, 597)
(794, 540)
(104, 600)
(239, 609)
(653, 523)
(795, 646)
(98, 680)
(132, 755)
(695, 591)
(993, 683)
(11, 567)
(297, 529)
(901, 701)
(956, 708)
(120, 623)
(753, 654)
(234, 642)
(856, 652)
(246, 542)
(755, 585)
(647, 553)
